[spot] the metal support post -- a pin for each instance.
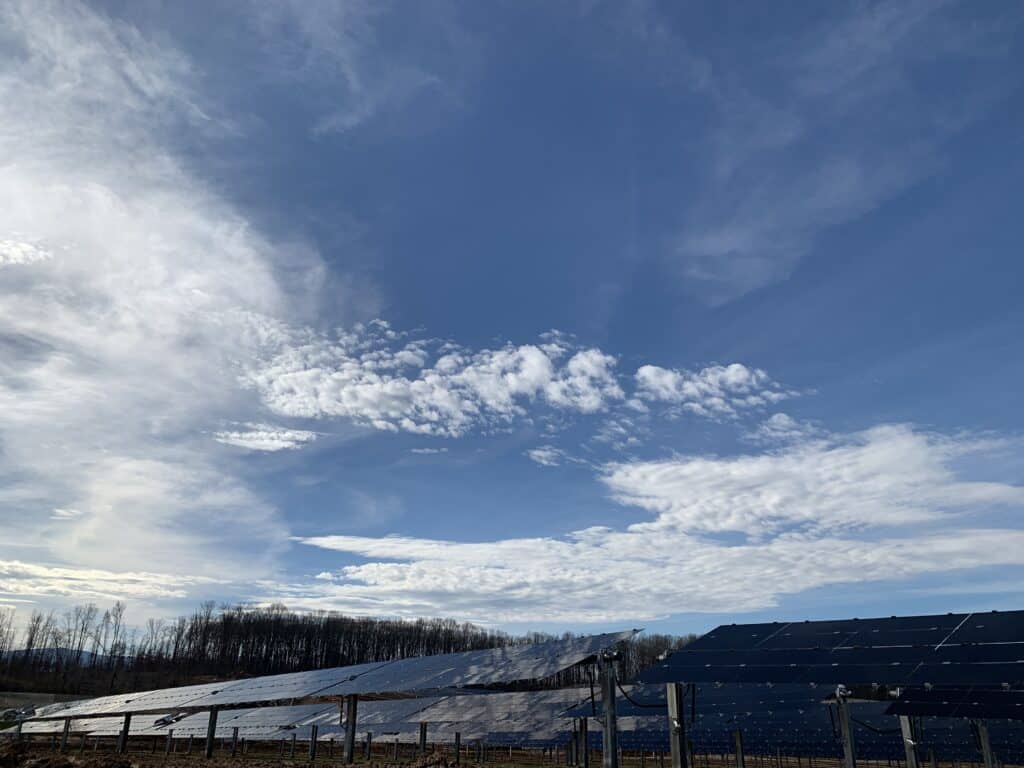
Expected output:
(677, 724)
(211, 734)
(584, 748)
(81, 745)
(423, 739)
(188, 745)
(351, 713)
(291, 748)
(396, 749)
(234, 741)
(737, 737)
(369, 744)
(170, 741)
(931, 758)
(846, 731)
(314, 734)
(458, 747)
(909, 740)
(609, 733)
(64, 734)
(122, 742)
(985, 743)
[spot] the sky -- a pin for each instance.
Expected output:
(540, 315)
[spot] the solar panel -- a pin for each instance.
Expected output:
(404, 677)
(477, 668)
(950, 649)
(960, 702)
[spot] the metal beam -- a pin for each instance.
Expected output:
(610, 740)
(423, 739)
(677, 724)
(351, 711)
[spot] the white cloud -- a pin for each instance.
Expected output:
(359, 66)
(101, 585)
(781, 428)
(265, 437)
(121, 337)
(880, 505)
(65, 514)
(715, 391)
(364, 376)
(19, 252)
(806, 153)
(546, 455)
(428, 451)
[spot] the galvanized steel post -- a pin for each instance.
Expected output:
(351, 710)
(845, 730)
(909, 741)
(737, 737)
(122, 741)
(458, 746)
(985, 743)
(610, 742)
(677, 725)
(314, 735)
(211, 733)
(423, 739)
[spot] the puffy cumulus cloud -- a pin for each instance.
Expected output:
(880, 505)
(715, 391)
(18, 252)
(265, 437)
(373, 376)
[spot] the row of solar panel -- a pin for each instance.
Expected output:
(416, 676)
(933, 631)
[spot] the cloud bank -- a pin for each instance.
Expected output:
(725, 535)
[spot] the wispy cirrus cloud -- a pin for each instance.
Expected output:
(843, 127)
(265, 437)
(884, 504)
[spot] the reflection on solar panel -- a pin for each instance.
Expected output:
(952, 649)
(414, 676)
(477, 668)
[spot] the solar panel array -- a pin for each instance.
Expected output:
(416, 676)
(985, 649)
(772, 681)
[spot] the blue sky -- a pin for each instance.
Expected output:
(539, 315)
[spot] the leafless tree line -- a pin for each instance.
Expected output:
(92, 652)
